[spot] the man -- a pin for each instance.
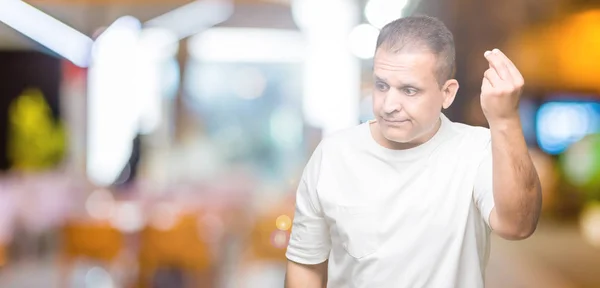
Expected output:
(409, 199)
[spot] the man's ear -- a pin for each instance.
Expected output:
(449, 91)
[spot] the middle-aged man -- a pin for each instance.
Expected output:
(409, 198)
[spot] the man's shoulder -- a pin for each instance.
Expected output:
(469, 142)
(471, 132)
(333, 145)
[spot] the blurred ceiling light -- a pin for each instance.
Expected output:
(125, 29)
(194, 17)
(125, 92)
(46, 30)
(113, 117)
(121, 25)
(363, 40)
(381, 12)
(156, 46)
(159, 43)
(248, 45)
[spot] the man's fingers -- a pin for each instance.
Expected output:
(492, 76)
(485, 84)
(497, 61)
(512, 69)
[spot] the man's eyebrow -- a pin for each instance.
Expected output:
(377, 78)
(408, 85)
(405, 85)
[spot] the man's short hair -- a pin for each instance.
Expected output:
(422, 32)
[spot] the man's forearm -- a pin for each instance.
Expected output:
(306, 276)
(516, 186)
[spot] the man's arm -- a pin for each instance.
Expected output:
(310, 242)
(306, 276)
(516, 186)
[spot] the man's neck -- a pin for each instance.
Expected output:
(379, 138)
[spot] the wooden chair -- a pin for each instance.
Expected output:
(181, 246)
(266, 246)
(3, 256)
(92, 240)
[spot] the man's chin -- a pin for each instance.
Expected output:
(400, 138)
(402, 141)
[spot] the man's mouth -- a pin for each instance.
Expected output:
(396, 121)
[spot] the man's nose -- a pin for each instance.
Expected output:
(392, 103)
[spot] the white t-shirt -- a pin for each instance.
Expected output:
(397, 218)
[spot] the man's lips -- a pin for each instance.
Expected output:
(396, 120)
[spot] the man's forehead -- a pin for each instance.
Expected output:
(404, 58)
(406, 65)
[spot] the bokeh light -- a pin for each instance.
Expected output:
(97, 277)
(362, 41)
(128, 217)
(381, 12)
(590, 223)
(250, 83)
(164, 216)
(581, 164)
(100, 205)
(283, 222)
(560, 124)
(279, 239)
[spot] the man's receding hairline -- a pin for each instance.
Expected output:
(403, 34)
(418, 46)
(439, 58)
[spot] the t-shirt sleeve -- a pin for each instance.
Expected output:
(310, 241)
(483, 189)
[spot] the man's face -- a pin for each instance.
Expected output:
(407, 98)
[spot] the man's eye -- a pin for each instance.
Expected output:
(410, 91)
(382, 86)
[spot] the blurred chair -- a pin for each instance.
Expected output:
(3, 256)
(262, 242)
(264, 261)
(91, 240)
(266, 239)
(178, 247)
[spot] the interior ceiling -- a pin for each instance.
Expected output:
(87, 18)
(84, 18)
(89, 15)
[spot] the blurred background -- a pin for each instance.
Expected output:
(148, 143)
